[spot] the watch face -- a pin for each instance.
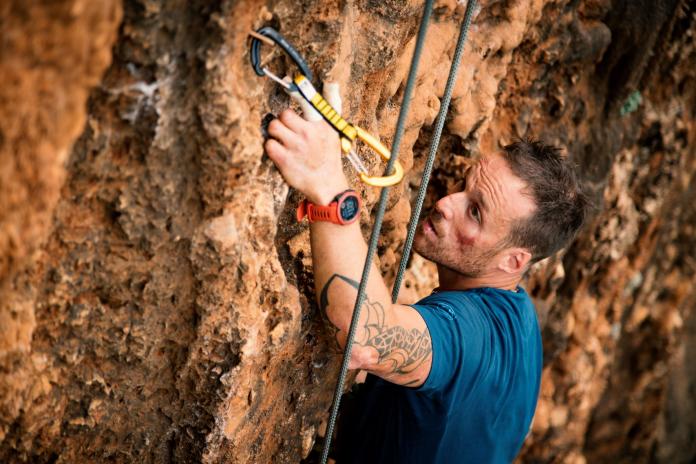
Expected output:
(349, 208)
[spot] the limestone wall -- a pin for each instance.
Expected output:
(156, 295)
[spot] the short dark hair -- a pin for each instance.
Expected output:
(562, 205)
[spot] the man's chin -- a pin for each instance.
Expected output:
(426, 252)
(422, 248)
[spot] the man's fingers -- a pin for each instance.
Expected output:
(294, 122)
(277, 152)
(279, 131)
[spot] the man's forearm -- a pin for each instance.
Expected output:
(338, 256)
(393, 348)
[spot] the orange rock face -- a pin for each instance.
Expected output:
(156, 295)
(51, 55)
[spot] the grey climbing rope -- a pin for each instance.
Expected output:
(434, 143)
(382, 206)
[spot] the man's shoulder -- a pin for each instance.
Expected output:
(483, 304)
(478, 296)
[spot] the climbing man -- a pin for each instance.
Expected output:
(454, 377)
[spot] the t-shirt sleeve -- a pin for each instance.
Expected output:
(458, 334)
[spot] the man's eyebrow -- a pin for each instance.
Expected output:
(477, 194)
(481, 199)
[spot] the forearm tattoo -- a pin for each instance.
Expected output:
(401, 349)
(324, 305)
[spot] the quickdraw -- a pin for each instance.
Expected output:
(302, 83)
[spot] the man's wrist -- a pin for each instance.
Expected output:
(327, 193)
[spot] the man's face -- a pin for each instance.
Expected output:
(467, 230)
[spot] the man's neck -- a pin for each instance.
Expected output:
(453, 280)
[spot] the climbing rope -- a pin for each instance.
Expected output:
(434, 143)
(376, 228)
(382, 206)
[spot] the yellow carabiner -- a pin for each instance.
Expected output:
(380, 181)
(348, 133)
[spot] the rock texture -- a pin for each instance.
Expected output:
(51, 55)
(156, 293)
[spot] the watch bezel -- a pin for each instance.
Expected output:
(340, 199)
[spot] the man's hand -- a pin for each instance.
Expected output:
(308, 155)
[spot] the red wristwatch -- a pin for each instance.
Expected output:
(343, 210)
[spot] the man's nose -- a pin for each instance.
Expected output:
(443, 208)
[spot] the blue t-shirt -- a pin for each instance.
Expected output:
(476, 405)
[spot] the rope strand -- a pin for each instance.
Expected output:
(434, 144)
(400, 127)
(382, 206)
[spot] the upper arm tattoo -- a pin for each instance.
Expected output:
(402, 350)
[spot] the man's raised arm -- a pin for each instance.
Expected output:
(391, 341)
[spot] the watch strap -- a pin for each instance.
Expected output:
(328, 213)
(318, 212)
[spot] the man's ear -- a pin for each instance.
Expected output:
(514, 260)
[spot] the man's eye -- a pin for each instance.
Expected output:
(475, 213)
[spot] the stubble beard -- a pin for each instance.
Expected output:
(471, 262)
